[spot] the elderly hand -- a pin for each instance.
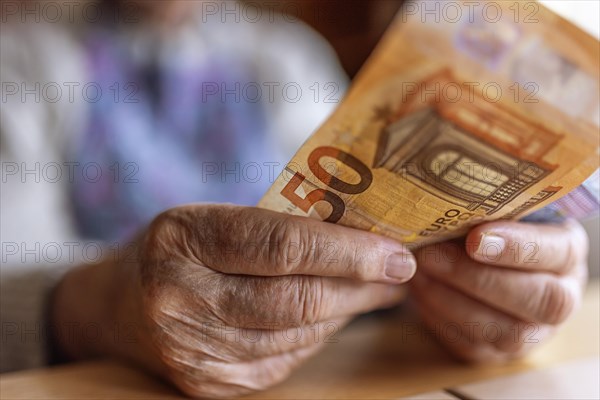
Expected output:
(226, 300)
(505, 290)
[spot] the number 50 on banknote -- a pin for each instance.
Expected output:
(457, 118)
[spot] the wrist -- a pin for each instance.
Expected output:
(80, 317)
(96, 311)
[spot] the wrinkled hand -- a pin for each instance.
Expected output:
(234, 298)
(505, 290)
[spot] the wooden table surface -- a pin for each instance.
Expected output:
(371, 360)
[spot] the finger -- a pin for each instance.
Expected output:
(252, 241)
(478, 322)
(459, 345)
(292, 301)
(554, 248)
(262, 373)
(536, 297)
(230, 344)
(223, 343)
(199, 378)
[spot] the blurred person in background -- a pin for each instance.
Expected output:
(153, 115)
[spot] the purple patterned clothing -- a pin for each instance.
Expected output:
(166, 139)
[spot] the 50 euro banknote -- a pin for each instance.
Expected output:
(455, 120)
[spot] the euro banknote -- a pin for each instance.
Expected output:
(461, 115)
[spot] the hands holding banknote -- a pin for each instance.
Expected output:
(224, 300)
(414, 154)
(506, 287)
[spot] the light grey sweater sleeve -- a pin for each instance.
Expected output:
(36, 228)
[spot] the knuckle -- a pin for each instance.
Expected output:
(310, 304)
(556, 303)
(567, 254)
(484, 282)
(242, 301)
(165, 236)
(153, 287)
(512, 343)
(289, 244)
(364, 272)
(157, 308)
(567, 266)
(361, 261)
(231, 379)
(153, 308)
(164, 226)
(577, 252)
(580, 240)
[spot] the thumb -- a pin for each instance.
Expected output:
(253, 241)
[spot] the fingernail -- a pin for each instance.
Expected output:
(490, 247)
(400, 266)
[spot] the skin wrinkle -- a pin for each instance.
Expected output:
(476, 354)
(192, 269)
(551, 243)
(271, 371)
(482, 283)
(210, 345)
(222, 227)
(232, 296)
(311, 301)
(227, 299)
(278, 233)
(538, 296)
(309, 245)
(507, 342)
(231, 373)
(275, 339)
(296, 237)
(555, 303)
(358, 262)
(274, 373)
(481, 354)
(575, 258)
(571, 258)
